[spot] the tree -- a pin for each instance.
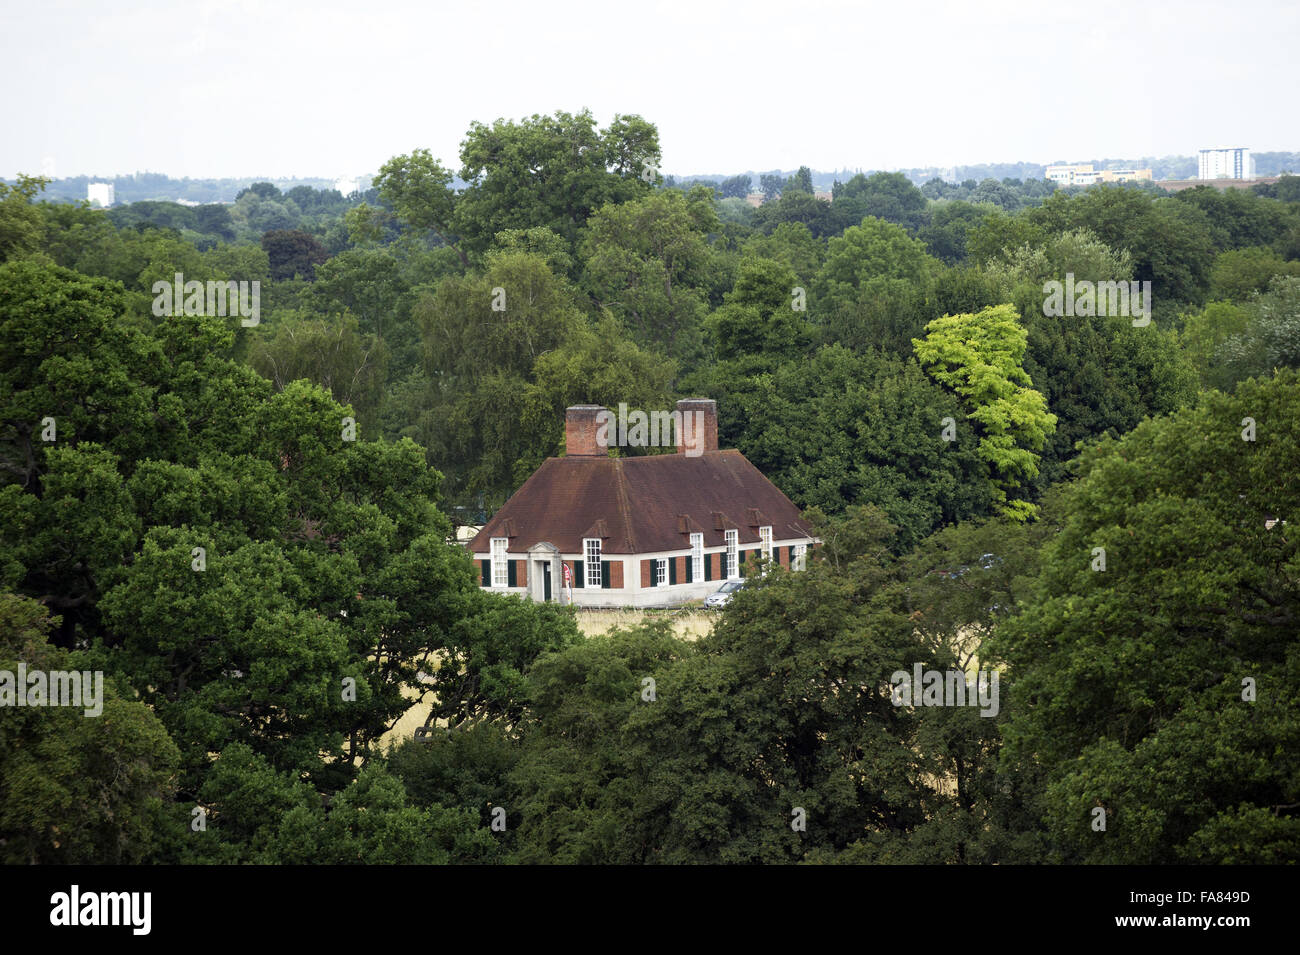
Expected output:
(483, 335)
(992, 192)
(797, 206)
(330, 352)
(648, 262)
(74, 788)
(418, 188)
(950, 224)
(1271, 339)
(164, 215)
(980, 358)
(772, 739)
(801, 181)
(1147, 668)
(886, 195)
(255, 212)
(793, 245)
(736, 187)
(1170, 241)
(1238, 273)
(552, 171)
(1203, 335)
(1238, 218)
(293, 253)
(759, 318)
(255, 570)
(1099, 373)
(20, 222)
(871, 290)
(597, 364)
(837, 429)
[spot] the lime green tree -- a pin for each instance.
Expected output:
(979, 356)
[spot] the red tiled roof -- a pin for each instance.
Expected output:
(646, 504)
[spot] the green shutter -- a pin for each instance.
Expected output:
(708, 566)
(579, 578)
(512, 578)
(740, 562)
(604, 573)
(486, 569)
(654, 577)
(690, 567)
(672, 570)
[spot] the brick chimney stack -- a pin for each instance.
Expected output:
(703, 411)
(580, 426)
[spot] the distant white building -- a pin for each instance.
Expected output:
(1076, 174)
(347, 186)
(100, 194)
(1233, 162)
(1082, 174)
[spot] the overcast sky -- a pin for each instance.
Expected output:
(324, 88)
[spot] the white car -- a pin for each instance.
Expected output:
(722, 596)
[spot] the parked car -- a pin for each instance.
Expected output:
(722, 596)
(986, 562)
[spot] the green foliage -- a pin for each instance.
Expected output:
(76, 789)
(329, 352)
(791, 244)
(759, 319)
(324, 579)
(648, 262)
(979, 356)
(552, 171)
(1127, 683)
(840, 429)
(1203, 336)
(886, 195)
(20, 222)
(1238, 273)
(1170, 241)
(872, 287)
(293, 252)
(1271, 339)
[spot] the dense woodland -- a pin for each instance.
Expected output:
(328, 560)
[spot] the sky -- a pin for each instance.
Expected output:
(284, 89)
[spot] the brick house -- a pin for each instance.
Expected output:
(640, 531)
